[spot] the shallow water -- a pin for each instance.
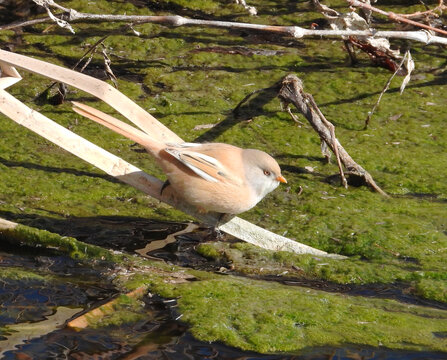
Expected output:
(161, 335)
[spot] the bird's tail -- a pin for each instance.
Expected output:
(118, 126)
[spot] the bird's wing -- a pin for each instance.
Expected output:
(116, 125)
(205, 166)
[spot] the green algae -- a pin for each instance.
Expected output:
(12, 273)
(251, 260)
(41, 238)
(398, 239)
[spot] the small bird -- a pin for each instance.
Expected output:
(213, 177)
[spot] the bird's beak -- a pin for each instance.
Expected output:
(282, 179)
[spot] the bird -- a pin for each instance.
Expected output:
(213, 177)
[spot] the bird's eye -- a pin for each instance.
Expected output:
(266, 173)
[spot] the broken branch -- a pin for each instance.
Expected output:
(385, 88)
(292, 92)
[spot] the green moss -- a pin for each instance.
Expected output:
(267, 317)
(251, 260)
(124, 311)
(209, 251)
(435, 289)
(41, 238)
(12, 273)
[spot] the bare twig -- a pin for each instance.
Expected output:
(325, 10)
(396, 17)
(430, 12)
(19, 24)
(60, 22)
(292, 92)
(91, 50)
(293, 116)
(385, 88)
(109, 71)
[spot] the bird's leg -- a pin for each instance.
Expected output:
(222, 219)
(215, 232)
(164, 186)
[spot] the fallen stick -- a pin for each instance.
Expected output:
(94, 315)
(110, 163)
(175, 20)
(292, 92)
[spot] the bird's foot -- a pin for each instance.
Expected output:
(214, 234)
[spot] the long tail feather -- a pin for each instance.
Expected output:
(118, 126)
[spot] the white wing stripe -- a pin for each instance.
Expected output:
(178, 155)
(209, 159)
(201, 173)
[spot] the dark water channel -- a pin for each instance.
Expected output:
(69, 285)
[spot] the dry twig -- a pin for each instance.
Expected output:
(309, 98)
(385, 88)
(292, 92)
(430, 12)
(109, 71)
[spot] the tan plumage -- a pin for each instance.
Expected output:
(212, 176)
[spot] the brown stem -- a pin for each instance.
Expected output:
(17, 24)
(309, 98)
(395, 17)
(439, 8)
